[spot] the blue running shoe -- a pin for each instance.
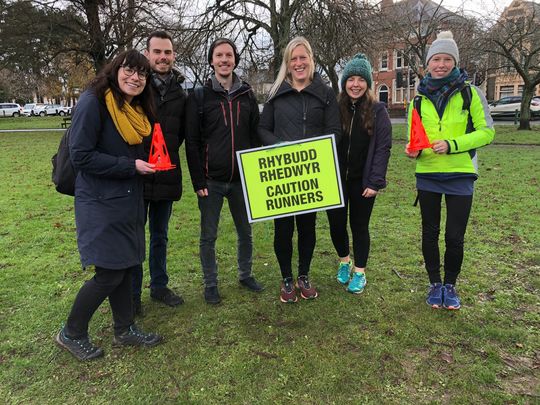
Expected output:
(357, 283)
(435, 295)
(344, 272)
(451, 298)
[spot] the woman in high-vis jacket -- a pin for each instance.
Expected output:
(456, 118)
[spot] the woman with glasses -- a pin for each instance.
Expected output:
(109, 124)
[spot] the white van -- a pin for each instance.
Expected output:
(10, 110)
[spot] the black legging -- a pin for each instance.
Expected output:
(114, 284)
(458, 208)
(360, 209)
(283, 234)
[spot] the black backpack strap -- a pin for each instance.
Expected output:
(415, 203)
(466, 95)
(198, 92)
(417, 104)
(199, 99)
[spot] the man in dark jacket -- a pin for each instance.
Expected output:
(164, 187)
(221, 119)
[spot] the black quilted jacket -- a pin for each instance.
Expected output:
(293, 115)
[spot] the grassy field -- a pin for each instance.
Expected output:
(49, 122)
(383, 346)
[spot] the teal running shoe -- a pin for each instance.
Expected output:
(344, 272)
(357, 283)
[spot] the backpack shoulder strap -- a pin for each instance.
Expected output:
(417, 104)
(199, 99)
(466, 95)
(198, 92)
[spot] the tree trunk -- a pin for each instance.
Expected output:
(97, 45)
(525, 115)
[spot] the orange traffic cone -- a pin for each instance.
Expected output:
(158, 151)
(418, 138)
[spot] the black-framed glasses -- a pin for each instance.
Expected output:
(129, 71)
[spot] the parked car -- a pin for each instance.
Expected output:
(10, 110)
(52, 109)
(507, 107)
(55, 109)
(39, 109)
(29, 108)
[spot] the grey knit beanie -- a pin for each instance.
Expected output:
(357, 66)
(444, 44)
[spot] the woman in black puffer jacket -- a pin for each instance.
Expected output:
(300, 106)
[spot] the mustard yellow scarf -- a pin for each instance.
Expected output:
(132, 123)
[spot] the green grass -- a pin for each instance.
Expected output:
(504, 134)
(49, 122)
(384, 346)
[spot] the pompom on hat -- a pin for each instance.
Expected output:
(444, 44)
(357, 66)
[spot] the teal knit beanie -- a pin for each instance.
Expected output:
(357, 66)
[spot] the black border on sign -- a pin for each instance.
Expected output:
(303, 141)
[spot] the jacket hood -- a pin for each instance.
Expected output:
(316, 88)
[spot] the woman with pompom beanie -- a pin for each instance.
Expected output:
(363, 152)
(449, 166)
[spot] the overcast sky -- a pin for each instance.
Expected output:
(478, 6)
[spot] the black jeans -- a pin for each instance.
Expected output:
(458, 208)
(283, 234)
(359, 209)
(158, 214)
(106, 283)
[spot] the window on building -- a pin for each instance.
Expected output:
(384, 61)
(520, 90)
(383, 94)
(399, 94)
(506, 91)
(400, 60)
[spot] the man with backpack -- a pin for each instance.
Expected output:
(221, 118)
(164, 187)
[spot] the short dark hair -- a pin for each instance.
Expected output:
(107, 78)
(158, 34)
(221, 41)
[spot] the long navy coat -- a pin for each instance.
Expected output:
(109, 205)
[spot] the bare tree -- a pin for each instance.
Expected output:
(413, 25)
(276, 17)
(514, 41)
(337, 30)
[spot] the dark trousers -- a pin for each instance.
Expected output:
(458, 208)
(106, 283)
(158, 214)
(283, 234)
(210, 208)
(359, 209)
